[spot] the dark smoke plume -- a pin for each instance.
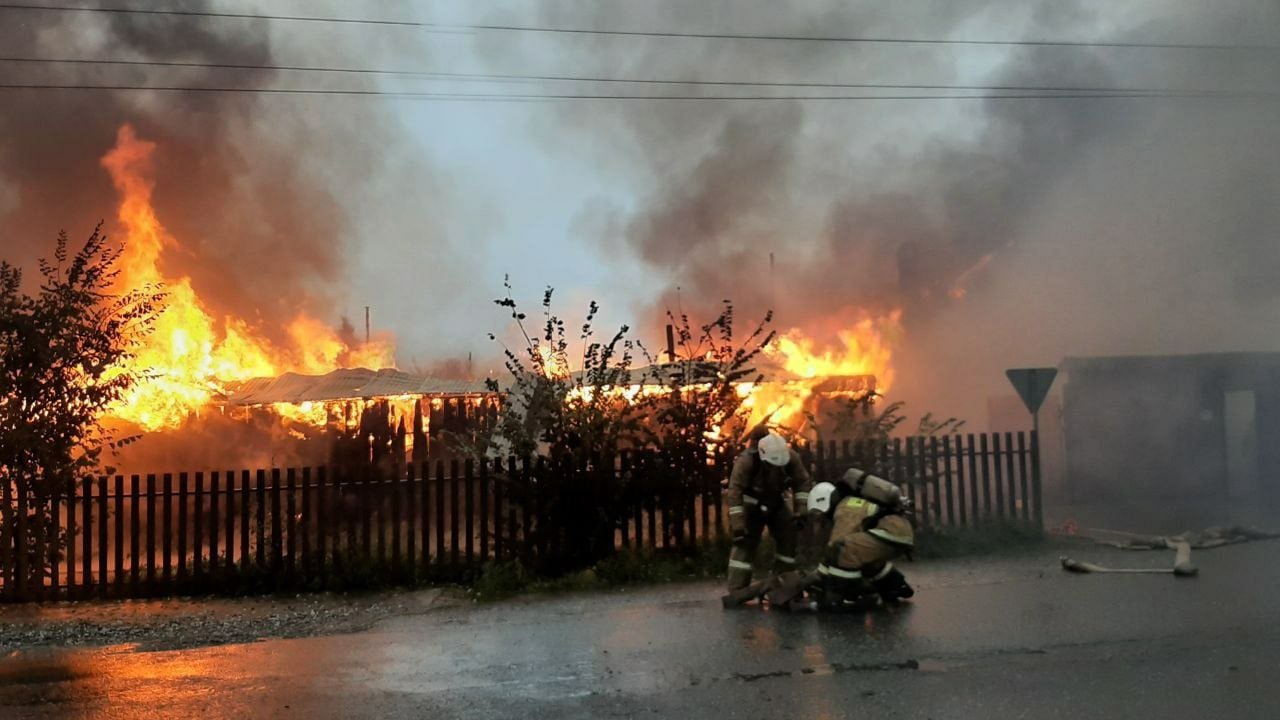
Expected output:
(245, 183)
(1011, 231)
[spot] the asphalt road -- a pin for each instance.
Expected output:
(984, 639)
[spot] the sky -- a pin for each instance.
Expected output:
(1097, 226)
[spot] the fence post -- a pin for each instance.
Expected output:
(1022, 477)
(323, 524)
(119, 534)
(986, 476)
(197, 528)
(408, 513)
(40, 553)
(102, 533)
(484, 510)
(1010, 476)
(425, 499)
(380, 485)
(152, 573)
(961, 500)
(229, 537)
(135, 530)
(440, 522)
(455, 552)
(167, 526)
(1036, 509)
(244, 521)
(946, 475)
(277, 528)
(515, 546)
(936, 482)
(214, 522)
(999, 478)
(498, 511)
(183, 490)
(291, 526)
(86, 555)
(20, 546)
(68, 493)
(260, 495)
(469, 509)
(215, 485)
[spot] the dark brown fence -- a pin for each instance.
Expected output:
(954, 480)
(327, 527)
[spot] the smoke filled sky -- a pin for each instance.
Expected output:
(1070, 226)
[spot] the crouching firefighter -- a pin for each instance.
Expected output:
(757, 487)
(869, 531)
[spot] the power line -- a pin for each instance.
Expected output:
(504, 77)
(578, 96)
(443, 27)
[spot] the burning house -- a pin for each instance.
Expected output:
(368, 415)
(217, 390)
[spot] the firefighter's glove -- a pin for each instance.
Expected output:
(738, 527)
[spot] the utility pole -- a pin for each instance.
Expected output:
(366, 324)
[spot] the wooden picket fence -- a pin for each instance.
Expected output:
(954, 480)
(324, 527)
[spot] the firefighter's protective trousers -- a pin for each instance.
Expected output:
(775, 516)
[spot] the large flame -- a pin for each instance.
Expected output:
(864, 347)
(191, 355)
(850, 359)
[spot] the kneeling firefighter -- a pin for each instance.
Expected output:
(761, 476)
(869, 530)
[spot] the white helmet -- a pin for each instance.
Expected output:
(774, 450)
(820, 497)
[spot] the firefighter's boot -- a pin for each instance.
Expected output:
(891, 584)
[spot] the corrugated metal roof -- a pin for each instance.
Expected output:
(346, 384)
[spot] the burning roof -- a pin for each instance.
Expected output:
(345, 384)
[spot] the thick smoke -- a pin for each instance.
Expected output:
(1011, 231)
(245, 183)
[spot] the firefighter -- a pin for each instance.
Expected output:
(758, 485)
(869, 531)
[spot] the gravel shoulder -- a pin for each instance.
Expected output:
(176, 623)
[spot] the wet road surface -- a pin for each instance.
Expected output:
(983, 639)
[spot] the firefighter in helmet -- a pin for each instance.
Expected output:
(761, 478)
(869, 530)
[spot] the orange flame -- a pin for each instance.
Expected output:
(861, 349)
(190, 356)
(857, 359)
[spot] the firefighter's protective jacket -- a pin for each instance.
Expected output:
(862, 537)
(754, 482)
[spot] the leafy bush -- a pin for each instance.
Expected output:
(60, 366)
